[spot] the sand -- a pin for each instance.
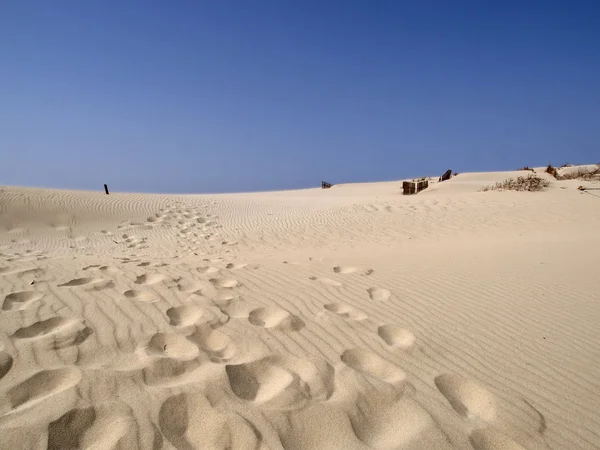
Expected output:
(352, 318)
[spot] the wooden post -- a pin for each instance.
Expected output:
(106, 189)
(447, 175)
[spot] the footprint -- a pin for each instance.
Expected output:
(142, 296)
(31, 273)
(93, 266)
(210, 316)
(224, 299)
(237, 309)
(81, 282)
(317, 375)
(104, 285)
(171, 345)
(207, 269)
(41, 386)
(386, 420)
(169, 372)
(149, 279)
(492, 439)
(345, 311)
(189, 421)
(513, 423)
(106, 425)
(311, 428)
(262, 381)
(66, 331)
(369, 363)
(6, 362)
(466, 397)
(184, 316)
(189, 286)
(227, 283)
(18, 301)
(282, 382)
(272, 317)
(111, 270)
(379, 294)
(327, 281)
(396, 336)
(219, 347)
(235, 266)
(345, 269)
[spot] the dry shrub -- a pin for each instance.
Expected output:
(583, 174)
(527, 168)
(552, 171)
(531, 183)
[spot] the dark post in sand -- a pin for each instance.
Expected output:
(106, 189)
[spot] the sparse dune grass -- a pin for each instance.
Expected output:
(583, 173)
(531, 183)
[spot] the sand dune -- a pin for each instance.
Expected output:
(352, 317)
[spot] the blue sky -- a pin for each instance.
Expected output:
(221, 96)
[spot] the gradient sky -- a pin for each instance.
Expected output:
(221, 96)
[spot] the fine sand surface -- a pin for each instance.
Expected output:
(352, 318)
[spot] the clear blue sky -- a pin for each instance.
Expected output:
(217, 96)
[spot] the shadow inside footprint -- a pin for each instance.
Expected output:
(282, 382)
(6, 362)
(326, 281)
(104, 425)
(271, 317)
(41, 386)
(345, 311)
(370, 363)
(516, 423)
(185, 315)
(66, 431)
(218, 346)
(20, 300)
(81, 282)
(189, 421)
(396, 336)
(379, 294)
